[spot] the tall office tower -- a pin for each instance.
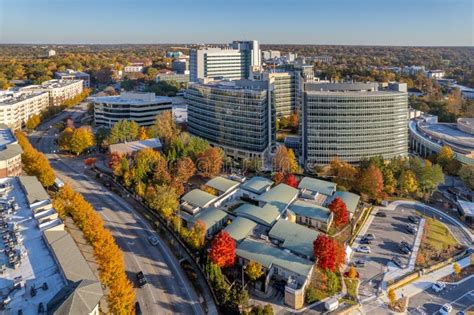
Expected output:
(285, 91)
(233, 62)
(236, 116)
(352, 121)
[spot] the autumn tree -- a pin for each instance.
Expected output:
(352, 273)
(457, 269)
(185, 169)
(209, 162)
(195, 237)
(285, 160)
(291, 180)
(82, 138)
(407, 182)
(222, 251)
(293, 121)
(165, 128)
(466, 174)
(344, 173)
(90, 161)
(329, 253)
(445, 156)
(339, 209)
(392, 297)
(142, 135)
(254, 270)
(278, 177)
(162, 199)
(114, 162)
(371, 181)
(33, 122)
(64, 139)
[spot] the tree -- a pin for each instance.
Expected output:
(389, 181)
(122, 131)
(407, 182)
(278, 177)
(329, 253)
(33, 121)
(162, 199)
(293, 121)
(64, 139)
(466, 174)
(165, 128)
(332, 282)
(392, 297)
(291, 180)
(208, 189)
(457, 269)
(90, 161)
(185, 169)
(371, 181)
(344, 173)
(193, 146)
(82, 138)
(209, 162)
(239, 297)
(222, 251)
(254, 270)
(352, 273)
(445, 155)
(142, 135)
(196, 237)
(339, 209)
(285, 160)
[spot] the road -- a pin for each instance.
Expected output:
(460, 296)
(168, 291)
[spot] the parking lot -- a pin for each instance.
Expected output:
(460, 296)
(389, 232)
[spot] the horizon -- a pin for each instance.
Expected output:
(437, 23)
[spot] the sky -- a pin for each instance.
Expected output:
(340, 22)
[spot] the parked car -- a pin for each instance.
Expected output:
(381, 214)
(397, 261)
(369, 236)
(141, 280)
(445, 309)
(438, 286)
(365, 241)
(138, 310)
(410, 248)
(403, 249)
(331, 304)
(153, 240)
(414, 219)
(363, 249)
(410, 228)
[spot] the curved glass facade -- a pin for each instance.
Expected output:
(232, 117)
(354, 125)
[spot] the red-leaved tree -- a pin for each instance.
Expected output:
(371, 181)
(222, 251)
(339, 209)
(329, 253)
(278, 177)
(291, 180)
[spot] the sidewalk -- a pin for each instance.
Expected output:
(426, 281)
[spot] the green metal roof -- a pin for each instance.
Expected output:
(210, 216)
(268, 255)
(222, 184)
(276, 200)
(34, 191)
(318, 185)
(257, 184)
(351, 200)
(198, 198)
(295, 237)
(280, 196)
(240, 228)
(311, 210)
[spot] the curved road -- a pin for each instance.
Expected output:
(168, 290)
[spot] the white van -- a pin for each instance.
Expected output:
(331, 304)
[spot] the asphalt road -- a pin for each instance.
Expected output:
(389, 232)
(460, 297)
(168, 290)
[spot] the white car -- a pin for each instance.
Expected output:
(363, 249)
(438, 286)
(445, 309)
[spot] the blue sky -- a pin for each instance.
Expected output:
(352, 22)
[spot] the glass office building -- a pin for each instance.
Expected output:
(352, 121)
(236, 116)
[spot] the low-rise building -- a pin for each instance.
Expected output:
(10, 153)
(351, 200)
(17, 108)
(134, 67)
(139, 107)
(311, 215)
(294, 237)
(128, 148)
(240, 228)
(195, 200)
(213, 219)
(170, 76)
(435, 74)
(313, 188)
(74, 75)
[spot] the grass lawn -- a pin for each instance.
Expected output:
(437, 243)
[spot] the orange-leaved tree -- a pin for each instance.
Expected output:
(339, 209)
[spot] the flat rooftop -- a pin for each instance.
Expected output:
(134, 146)
(449, 132)
(134, 99)
(6, 136)
(37, 263)
(16, 98)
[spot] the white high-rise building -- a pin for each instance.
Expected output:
(233, 62)
(16, 108)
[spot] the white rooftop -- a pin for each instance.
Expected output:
(135, 98)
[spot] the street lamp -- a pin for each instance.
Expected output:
(243, 268)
